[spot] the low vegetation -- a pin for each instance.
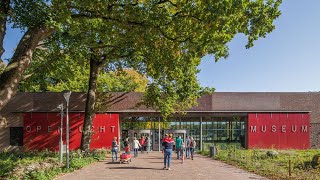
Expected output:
(274, 164)
(44, 164)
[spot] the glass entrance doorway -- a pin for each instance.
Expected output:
(140, 133)
(175, 134)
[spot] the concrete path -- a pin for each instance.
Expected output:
(149, 166)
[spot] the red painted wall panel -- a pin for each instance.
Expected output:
(41, 130)
(279, 130)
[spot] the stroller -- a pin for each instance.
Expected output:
(125, 157)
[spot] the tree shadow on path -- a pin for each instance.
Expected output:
(152, 158)
(132, 167)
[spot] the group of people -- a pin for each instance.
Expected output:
(186, 148)
(143, 144)
(182, 148)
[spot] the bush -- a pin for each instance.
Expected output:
(316, 161)
(272, 154)
(43, 164)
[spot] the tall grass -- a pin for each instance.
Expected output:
(272, 166)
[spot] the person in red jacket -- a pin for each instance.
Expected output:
(167, 145)
(142, 143)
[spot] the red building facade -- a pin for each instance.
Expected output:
(278, 130)
(42, 130)
(254, 120)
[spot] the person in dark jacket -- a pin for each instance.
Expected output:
(167, 148)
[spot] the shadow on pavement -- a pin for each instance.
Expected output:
(132, 167)
(152, 158)
(113, 162)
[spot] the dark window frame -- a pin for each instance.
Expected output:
(16, 136)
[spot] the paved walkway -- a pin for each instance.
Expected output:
(149, 166)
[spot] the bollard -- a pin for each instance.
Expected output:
(289, 167)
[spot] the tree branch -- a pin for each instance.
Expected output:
(90, 15)
(4, 8)
(165, 1)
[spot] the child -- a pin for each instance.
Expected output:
(182, 152)
(127, 149)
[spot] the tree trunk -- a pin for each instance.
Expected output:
(90, 104)
(10, 78)
(4, 7)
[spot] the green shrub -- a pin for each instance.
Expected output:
(272, 153)
(43, 164)
(260, 162)
(316, 161)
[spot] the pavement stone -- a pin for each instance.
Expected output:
(150, 166)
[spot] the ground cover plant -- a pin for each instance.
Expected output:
(274, 164)
(43, 164)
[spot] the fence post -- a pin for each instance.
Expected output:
(289, 167)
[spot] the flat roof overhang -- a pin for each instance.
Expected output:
(137, 111)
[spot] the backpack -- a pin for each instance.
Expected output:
(192, 144)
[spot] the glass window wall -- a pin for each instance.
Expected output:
(216, 130)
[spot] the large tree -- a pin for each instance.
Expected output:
(164, 39)
(60, 73)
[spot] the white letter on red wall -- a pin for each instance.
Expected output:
(304, 128)
(112, 128)
(253, 128)
(38, 128)
(49, 129)
(28, 129)
(264, 128)
(293, 128)
(80, 129)
(274, 128)
(102, 129)
(283, 128)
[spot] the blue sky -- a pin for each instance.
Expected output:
(287, 60)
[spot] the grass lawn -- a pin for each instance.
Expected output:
(44, 164)
(273, 164)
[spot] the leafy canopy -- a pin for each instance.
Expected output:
(67, 74)
(162, 39)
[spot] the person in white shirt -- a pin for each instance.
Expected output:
(136, 146)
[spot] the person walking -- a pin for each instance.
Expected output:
(142, 143)
(167, 145)
(178, 147)
(148, 144)
(187, 147)
(192, 147)
(182, 152)
(126, 142)
(136, 146)
(114, 149)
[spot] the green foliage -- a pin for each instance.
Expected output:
(2, 66)
(30, 165)
(259, 162)
(64, 73)
(316, 161)
(136, 124)
(163, 40)
(207, 90)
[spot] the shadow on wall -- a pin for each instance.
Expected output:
(41, 130)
